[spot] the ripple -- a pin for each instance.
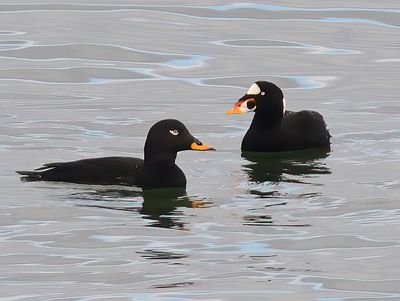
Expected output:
(266, 43)
(287, 82)
(7, 116)
(356, 21)
(26, 50)
(13, 45)
(112, 238)
(44, 259)
(11, 33)
(329, 242)
(392, 60)
(260, 12)
(226, 7)
(94, 133)
(236, 11)
(57, 127)
(104, 120)
(272, 7)
(192, 61)
(74, 75)
(391, 287)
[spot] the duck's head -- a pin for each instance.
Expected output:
(262, 97)
(170, 136)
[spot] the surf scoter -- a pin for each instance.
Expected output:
(158, 169)
(273, 128)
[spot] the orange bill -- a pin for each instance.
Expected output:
(235, 109)
(201, 147)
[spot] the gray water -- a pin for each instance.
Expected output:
(89, 79)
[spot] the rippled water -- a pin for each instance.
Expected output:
(89, 79)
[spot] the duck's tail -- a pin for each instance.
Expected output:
(30, 175)
(39, 174)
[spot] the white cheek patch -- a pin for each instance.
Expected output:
(254, 90)
(243, 107)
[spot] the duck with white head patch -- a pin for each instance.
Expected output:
(274, 129)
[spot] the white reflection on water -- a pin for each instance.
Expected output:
(271, 7)
(264, 43)
(192, 62)
(355, 21)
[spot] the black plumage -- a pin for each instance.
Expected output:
(273, 128)
(158, 169)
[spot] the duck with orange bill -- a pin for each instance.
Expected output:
(157, 170)
(276, 129)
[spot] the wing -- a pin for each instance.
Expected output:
(105, 171)
(306, 129)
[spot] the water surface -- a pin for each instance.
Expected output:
(88, 79)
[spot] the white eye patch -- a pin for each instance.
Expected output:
(174, 132)
(254, 90)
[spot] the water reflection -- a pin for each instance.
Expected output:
(292, 167)
(161, 255)
(160, 206)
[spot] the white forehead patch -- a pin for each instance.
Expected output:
(254, 90)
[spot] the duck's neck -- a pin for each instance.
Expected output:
(160, 171)
(160, 159)
(266, 121)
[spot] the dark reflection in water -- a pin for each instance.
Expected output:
(161, 255)
(159, 205)
(274, 168)
(291, 167)
(174, 285)
(266, 220)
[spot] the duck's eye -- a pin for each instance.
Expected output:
(174, 132)
(262, 93)
(251, 103)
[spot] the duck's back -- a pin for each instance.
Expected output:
(297, 130)
(105, 170)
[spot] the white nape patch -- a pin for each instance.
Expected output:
(254, 90)
(174, 132)
(284, 105)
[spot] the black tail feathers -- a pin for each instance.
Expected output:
(29, 175)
